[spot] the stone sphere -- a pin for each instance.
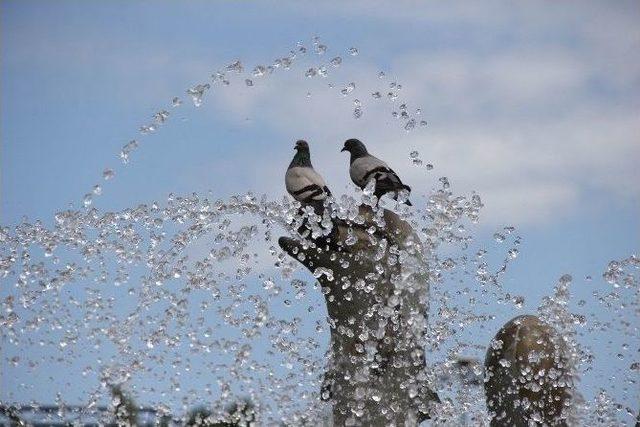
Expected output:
(527, 380)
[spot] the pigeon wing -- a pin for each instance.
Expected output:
(387, 180)
(364, 168)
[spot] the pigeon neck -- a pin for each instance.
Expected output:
(301, 159)
(358, 152)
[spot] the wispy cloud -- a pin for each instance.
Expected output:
(535, 101)
(538, 128)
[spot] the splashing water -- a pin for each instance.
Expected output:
(192, 297)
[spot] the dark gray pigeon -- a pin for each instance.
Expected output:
(365, 167)
(303, 182)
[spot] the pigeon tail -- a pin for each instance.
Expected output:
(407, 202)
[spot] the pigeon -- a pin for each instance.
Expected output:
(365, 167)
(303, 182)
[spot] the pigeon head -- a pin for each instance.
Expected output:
(302, 145)
(355, 147)
(302, 156)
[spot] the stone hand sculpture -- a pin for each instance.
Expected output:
(372, 273)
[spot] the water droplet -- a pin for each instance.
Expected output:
(286, 63)
(107, 174)
(348, 89)
(259, 71)
(197, 92)
(504, 363)
(353, 51)
(336, 61)
(126, 150)
(147, 129)
(161, 117)
(410, 125)
(565, 279)
(235, 66)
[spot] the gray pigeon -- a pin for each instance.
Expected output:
(303, 182)
(365, 167)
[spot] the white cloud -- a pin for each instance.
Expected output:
(536, 104)
(539, 128)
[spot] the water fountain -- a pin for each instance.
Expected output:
(155, 292)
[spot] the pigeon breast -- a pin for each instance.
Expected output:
(305, 184)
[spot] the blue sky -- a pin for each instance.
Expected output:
(534, 106)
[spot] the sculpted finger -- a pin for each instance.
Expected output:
(289, 245)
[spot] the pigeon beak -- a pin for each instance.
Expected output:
(343, 149)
